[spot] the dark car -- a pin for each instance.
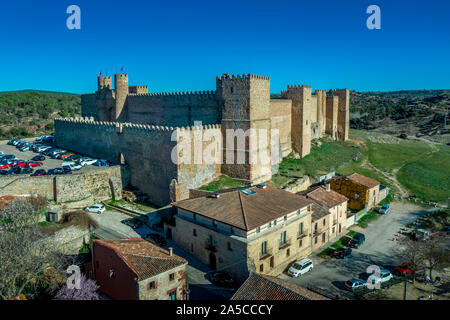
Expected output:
(222, 279)
(50, 172)
(357, 240)
(66, 170)
(14, 170)
(27, 170)
(38, 158)
(3, 172)
(156, 239)
(39, 172)
(341, 253)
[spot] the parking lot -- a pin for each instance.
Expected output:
(48, 163)
(378, 250)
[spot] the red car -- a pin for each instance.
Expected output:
(403, 269)
(39, 172)
(21, 164)
(32, 164)
(4, 166)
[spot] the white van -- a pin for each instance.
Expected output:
(72, 165)
(300, 267)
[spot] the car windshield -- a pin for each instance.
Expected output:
(296, 266)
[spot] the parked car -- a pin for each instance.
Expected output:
(96, 208)
(403, 269)
(33, 164)
(39, 172)
(27, 170)
(101, 162)
(355, 284)
(50, 172)
(300, 267)
(72, 165)
(3, 172)
(384, 209)
(8, 157)
(20, 163)
(43, 148)
(14, 170)
(87, 161)
(341, 253)
(64, 156)
(38, 158)
(357, 240)
(384, 276)
(5, 166)
(156, 239)
(223, 279)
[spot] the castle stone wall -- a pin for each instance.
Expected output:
(280, 118)
(89, 105)
(332, 116)
(173, 109)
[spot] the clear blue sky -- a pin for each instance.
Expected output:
(182, 45)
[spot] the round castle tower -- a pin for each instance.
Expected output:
(121, 83)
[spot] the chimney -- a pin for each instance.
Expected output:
(328, 186)
(170, 251)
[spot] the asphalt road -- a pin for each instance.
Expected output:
(378, 250)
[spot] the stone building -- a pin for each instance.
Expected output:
(135, 269)
(362, 192)
(246, 230)
(127, 125)
(336, 206)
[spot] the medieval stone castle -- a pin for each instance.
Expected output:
(130, 126)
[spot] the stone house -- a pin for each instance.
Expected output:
(135, 269)
(264, 287)
(334, 203)
(251, 229)
(362, 192)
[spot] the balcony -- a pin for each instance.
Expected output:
(286, 243)
(211, 246)
(266, 254)
(301, 235)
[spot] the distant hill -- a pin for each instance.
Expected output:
(28, 113)
(420, 113)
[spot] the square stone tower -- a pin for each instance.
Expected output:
(245, 126)
(332, 116)
(321, 108)
(301, 118)
(343, 125)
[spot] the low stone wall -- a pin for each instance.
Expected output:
(298, 185)
(69, 240)
(88, 187)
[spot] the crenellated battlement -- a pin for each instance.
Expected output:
(226, 76)
(181, 93)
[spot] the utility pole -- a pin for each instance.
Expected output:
(406, 284)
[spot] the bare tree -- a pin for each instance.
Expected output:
(435, 254)
(25, 253)
(411, 253)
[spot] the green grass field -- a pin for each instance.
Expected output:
(223, 182)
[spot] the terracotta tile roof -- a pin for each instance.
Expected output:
(318, 212)
(327, 198)
(264, 287)
(143, 257)
(246, 212)
(369, 183)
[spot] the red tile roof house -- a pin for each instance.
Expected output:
(332, 201)
(135, 269)
(265, 287)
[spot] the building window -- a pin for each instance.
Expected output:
(323, 237)
(231, 89)
(333, 229)
(285, 218)
(152, 285)
(269, 225)
(323, 221)
(275, 222)
(261, 268)
(229, 246)
(288, 252)
(192, 247)
(194, 232)
(232, 230)
(214, 223)
(315, 240)
(300, 228)
(258, 229)
(172, 276)
(300, 243)
(298, 211)
(315, 227)
(173, 295)
(112, 273)
(271, 262)
(263, 248)
(195, 217)
(283, 238)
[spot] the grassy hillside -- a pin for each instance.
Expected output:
(30, 113)
(406, 166)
